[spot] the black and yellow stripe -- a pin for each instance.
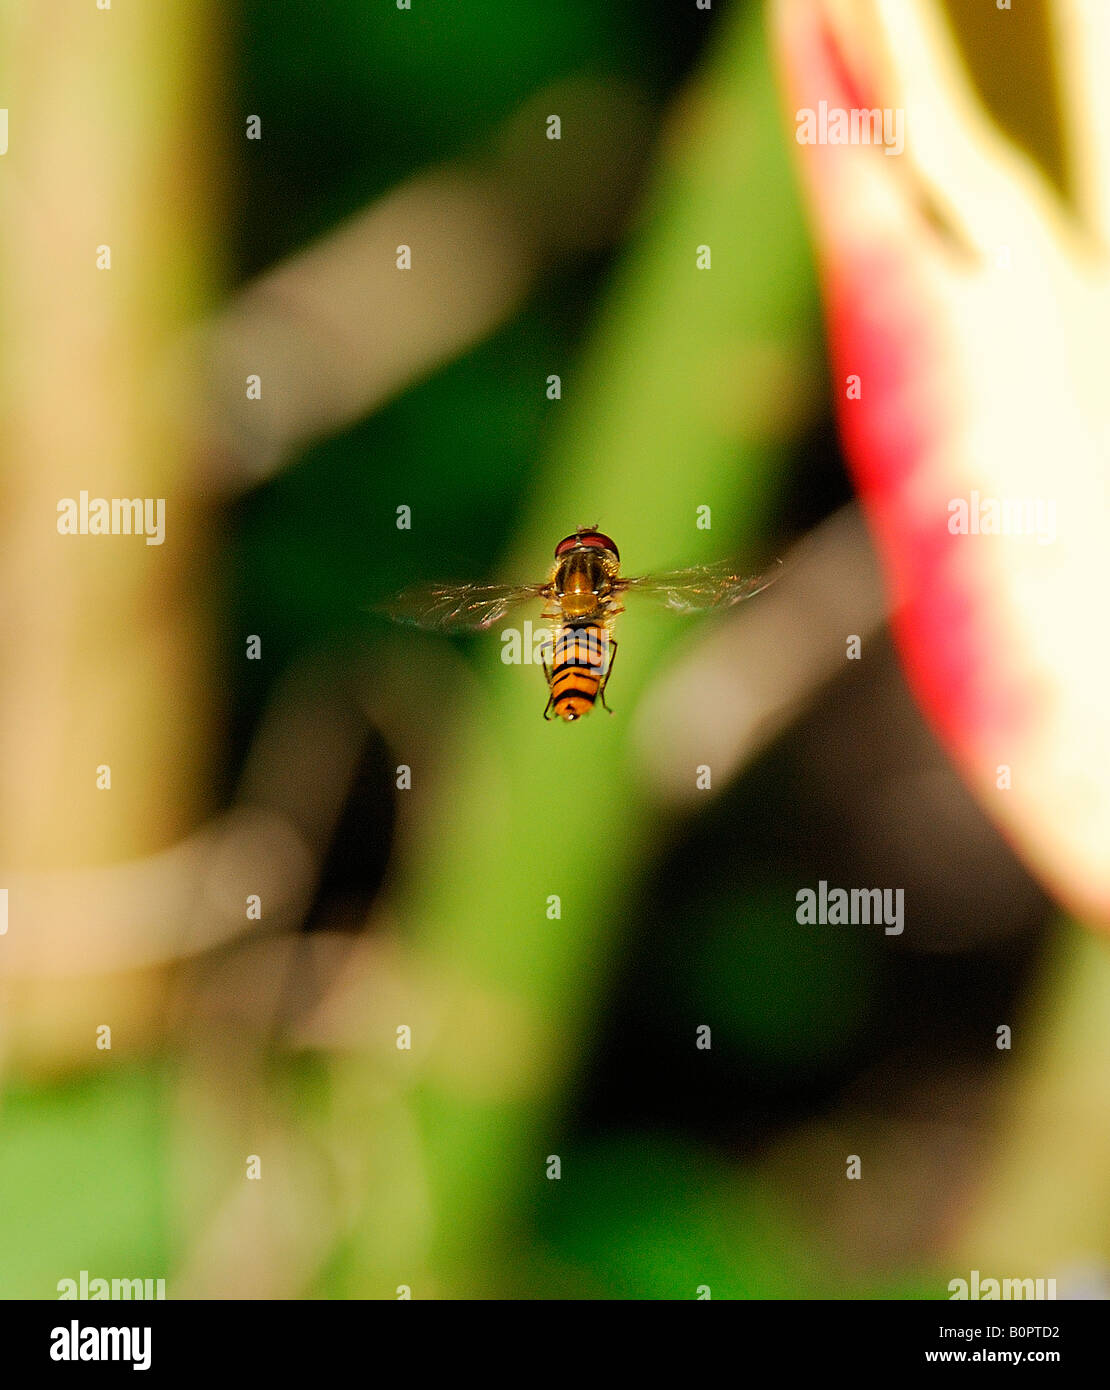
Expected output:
(580, 658)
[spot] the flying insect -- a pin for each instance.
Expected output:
(582, 597)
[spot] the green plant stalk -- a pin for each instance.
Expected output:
(657, 425)
(1041, 1206)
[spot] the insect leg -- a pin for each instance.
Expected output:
(550, 693)
(605, 678)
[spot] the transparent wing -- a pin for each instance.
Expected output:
(701, 587)
(458, 607)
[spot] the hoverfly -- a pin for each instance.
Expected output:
(582, 598)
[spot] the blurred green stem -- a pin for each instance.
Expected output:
(1041, 1205)
(680, 402)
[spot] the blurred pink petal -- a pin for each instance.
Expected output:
(977, 318)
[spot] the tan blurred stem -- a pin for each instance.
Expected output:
(337, 329)
(104, 636)
(739, 684)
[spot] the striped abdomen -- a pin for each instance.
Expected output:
(580, 659)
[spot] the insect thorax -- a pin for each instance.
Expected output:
(582, 581)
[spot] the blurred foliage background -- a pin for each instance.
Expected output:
(381, 1168)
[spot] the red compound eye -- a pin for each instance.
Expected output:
(593, 540)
